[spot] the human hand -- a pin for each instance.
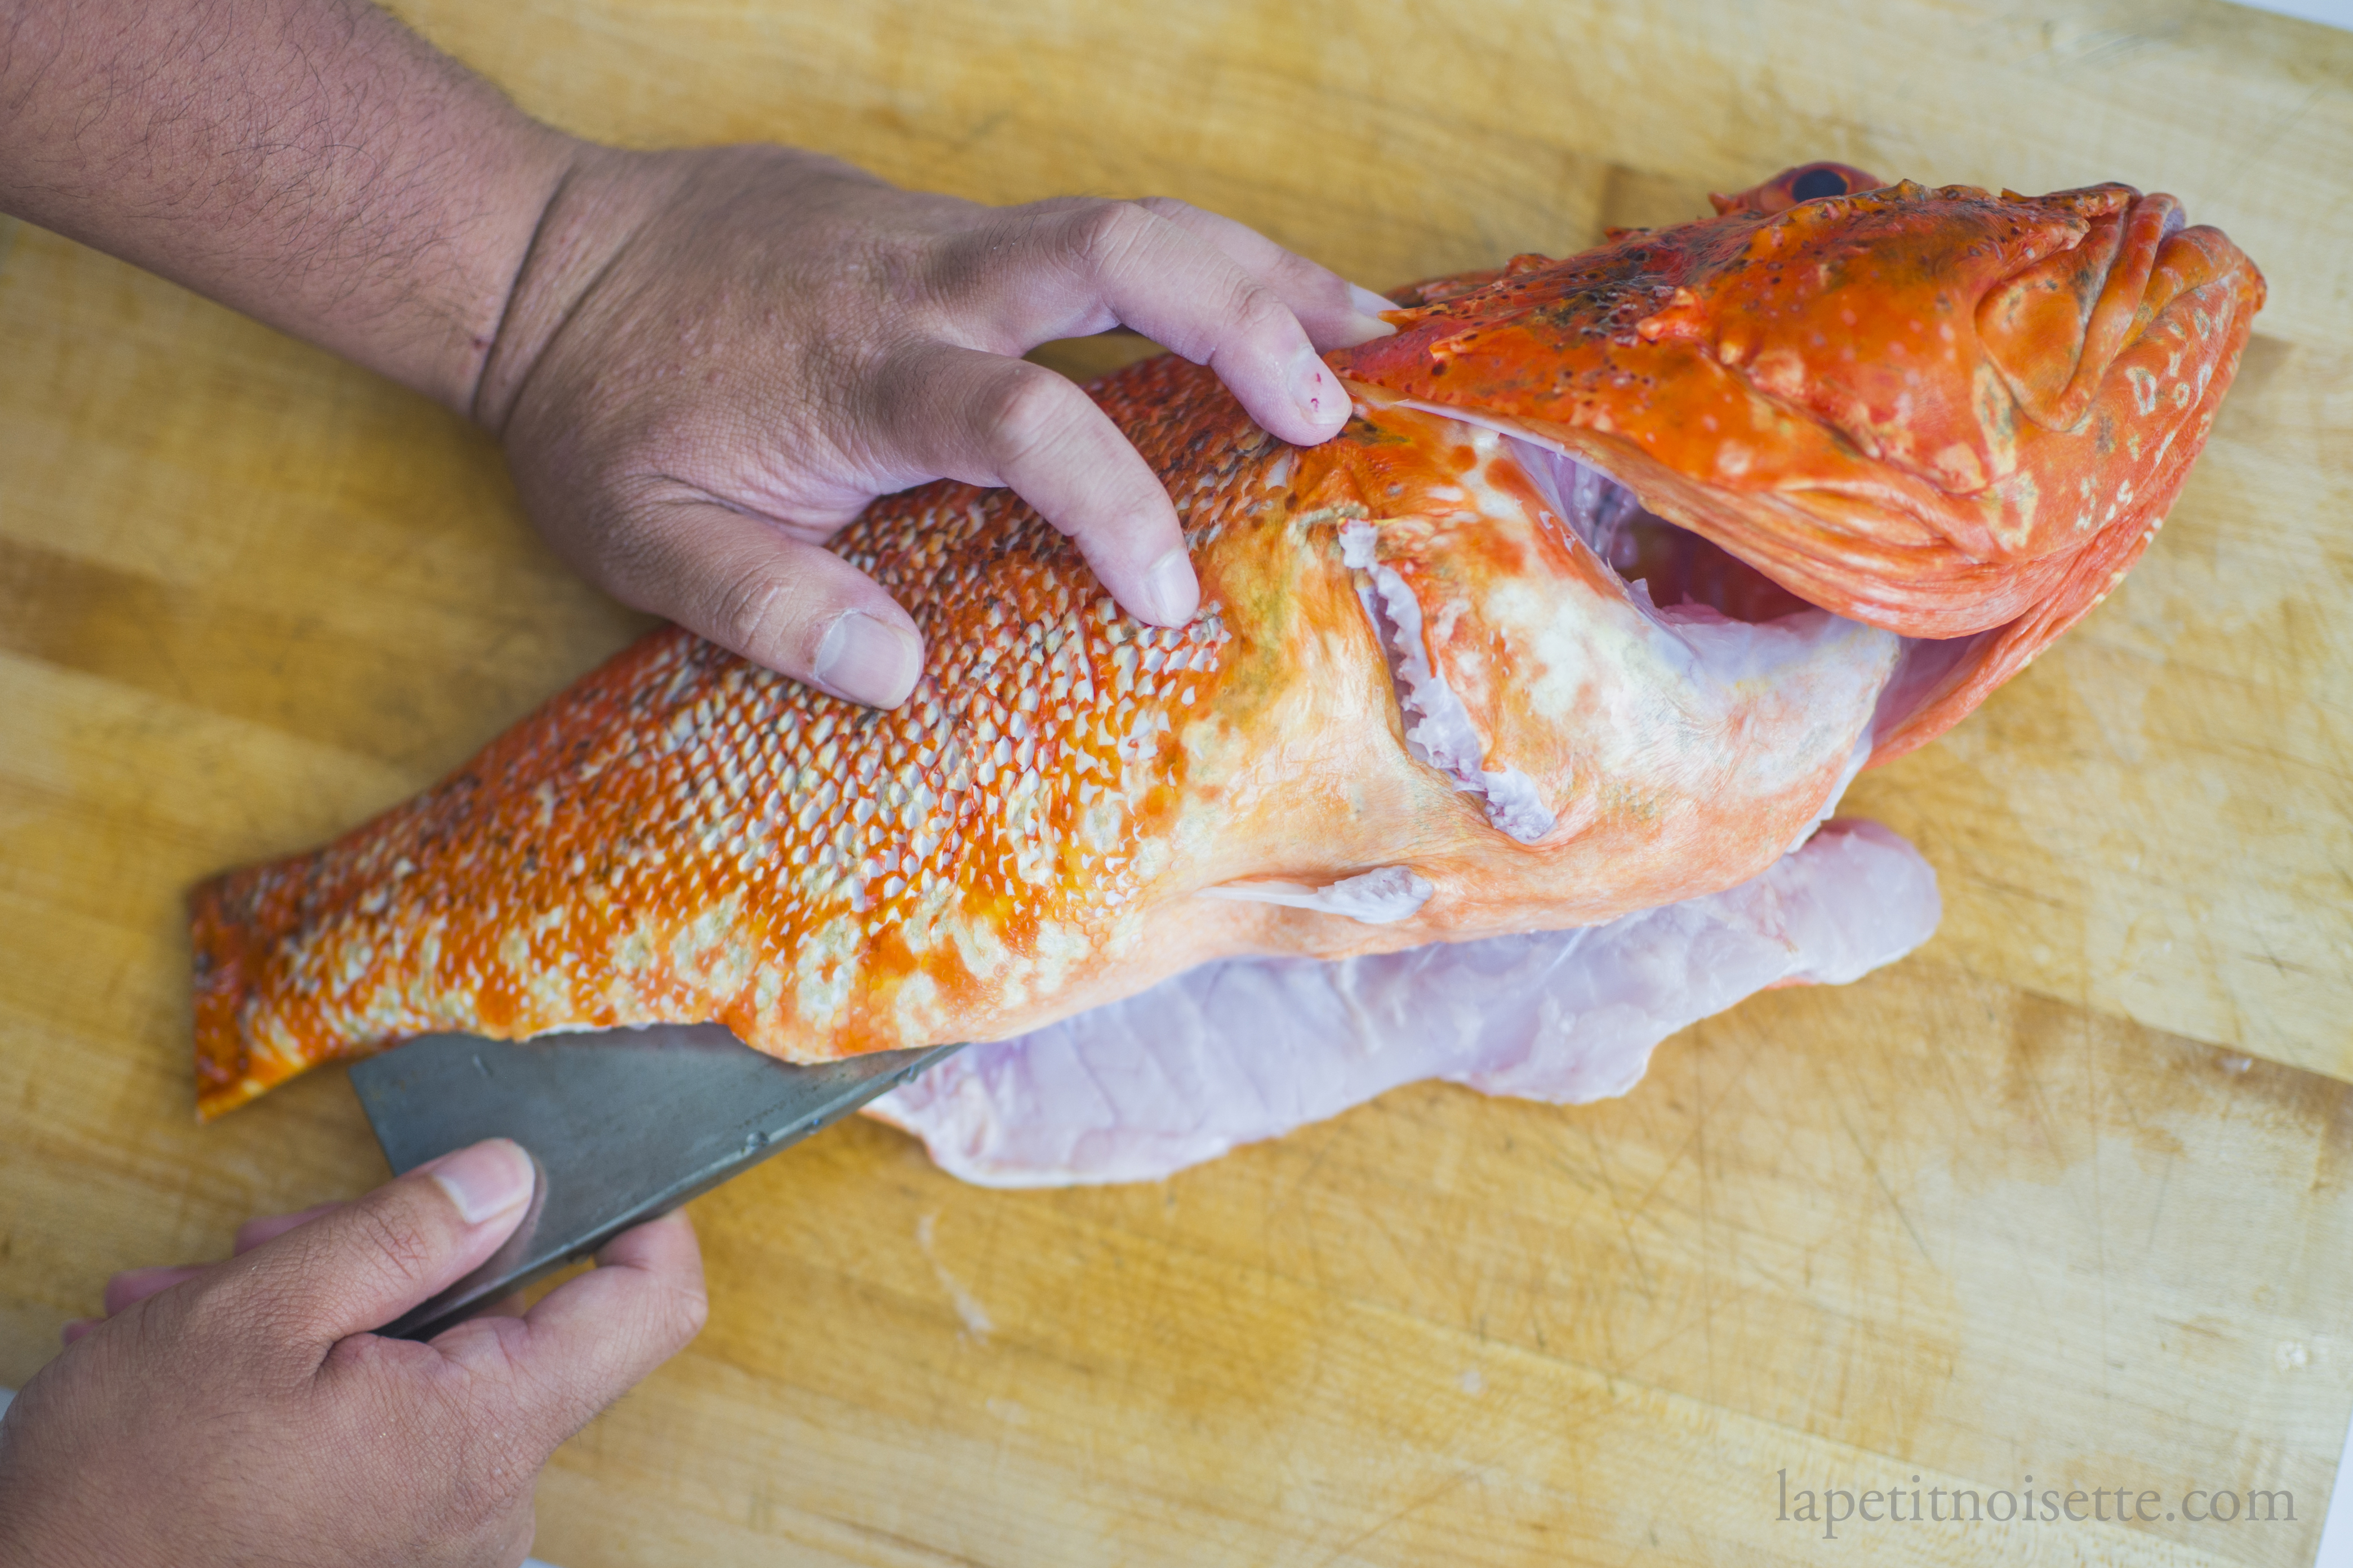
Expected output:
(713, 359)
(241, 1412)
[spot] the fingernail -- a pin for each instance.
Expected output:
(1368, 324)
(866, 659)
(485, 1180)
(1170, 591)
(1317, 390)
(76, 1328)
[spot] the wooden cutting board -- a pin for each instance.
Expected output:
(2067, 1195)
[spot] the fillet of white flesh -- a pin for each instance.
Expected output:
(1245, 1049)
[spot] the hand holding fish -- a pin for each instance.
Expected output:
(715, 360)
(702, 362)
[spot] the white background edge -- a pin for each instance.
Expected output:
(2334, 13)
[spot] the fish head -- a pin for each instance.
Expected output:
(1954, 414)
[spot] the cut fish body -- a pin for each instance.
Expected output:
(1539, 641)
(684, 835)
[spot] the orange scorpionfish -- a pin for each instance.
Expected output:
(1626, 562)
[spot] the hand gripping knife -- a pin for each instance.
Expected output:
(623, 1125)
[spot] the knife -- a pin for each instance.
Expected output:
(622, 1125)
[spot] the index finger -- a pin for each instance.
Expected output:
(591, 1339)
(268, 1228)
(1035, 273)
(1334, 312)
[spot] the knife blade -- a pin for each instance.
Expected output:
(622, 1124)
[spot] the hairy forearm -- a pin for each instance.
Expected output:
(309, 163)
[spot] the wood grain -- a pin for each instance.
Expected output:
(2064, 1194)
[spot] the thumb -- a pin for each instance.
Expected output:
(749, 586)
(362, 1265)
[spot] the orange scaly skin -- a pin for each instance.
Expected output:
(1938, 411)
(682, 837)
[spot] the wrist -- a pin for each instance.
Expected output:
(597, 202)
(603, 200)
(535, 162)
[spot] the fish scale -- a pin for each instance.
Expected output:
(682, 824)
(682, 837)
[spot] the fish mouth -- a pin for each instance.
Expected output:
(1582, 666)
(1678, 577)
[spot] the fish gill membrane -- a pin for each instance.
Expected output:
(1245, 1049)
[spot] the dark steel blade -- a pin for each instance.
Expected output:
(624, 1125)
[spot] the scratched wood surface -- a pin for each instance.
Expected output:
(2065, 1194)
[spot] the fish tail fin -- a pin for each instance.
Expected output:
(232, 935)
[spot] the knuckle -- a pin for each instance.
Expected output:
(1256, 311)
(744, 605)
(1028, 410)
(399, 1247)
(213, 1311)
(1103, 235)
(960, 270)
(225, 1322)
(494, 1472)
(461, 1419)
(623, 551)
(688, 1311)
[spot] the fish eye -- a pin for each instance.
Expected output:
(1817, 183)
